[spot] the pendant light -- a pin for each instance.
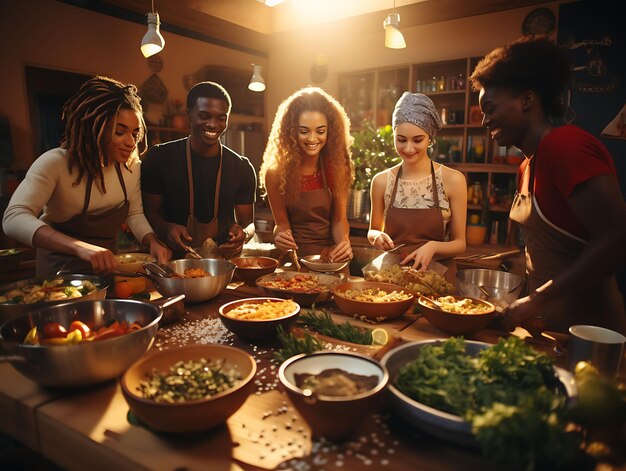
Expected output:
(393, 36)
(153, 41)
(257, 84)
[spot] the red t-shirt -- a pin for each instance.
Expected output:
(315, 181)
(567, 157)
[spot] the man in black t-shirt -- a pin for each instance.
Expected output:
(167, 184)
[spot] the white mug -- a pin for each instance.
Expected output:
(603, 348)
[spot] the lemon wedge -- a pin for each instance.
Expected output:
(379, 337)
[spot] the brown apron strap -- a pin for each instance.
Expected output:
(216, 203)
(90, 183)
(435, 192)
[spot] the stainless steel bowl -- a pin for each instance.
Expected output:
(9, 311)
(498, 287)
(86, 363)
(196, 289)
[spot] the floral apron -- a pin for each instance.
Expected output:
(310, 219)
(415, 227)
(201, 231)
(551, 250)
(100, 230)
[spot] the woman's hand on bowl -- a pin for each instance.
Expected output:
(383, 242)
(341, 252)
(421, 257)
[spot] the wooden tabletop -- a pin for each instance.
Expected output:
(90, 428)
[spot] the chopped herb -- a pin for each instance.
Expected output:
(322, 322)
(293, 345)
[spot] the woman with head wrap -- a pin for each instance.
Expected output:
(307, 172)
(417, 202)
(88, 186)
(568, 201)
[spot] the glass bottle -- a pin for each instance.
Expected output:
(460, 82)
(433, 84)
(477, 194)
(441, 84)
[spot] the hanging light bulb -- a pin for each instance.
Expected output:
(153, 41)
(393, 36)
(257, 84)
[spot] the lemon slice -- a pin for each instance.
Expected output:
(379, 337)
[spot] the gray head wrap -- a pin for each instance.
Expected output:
(417, 109)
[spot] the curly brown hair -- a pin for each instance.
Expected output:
(283, 152)
(86, 116)
(530, 63)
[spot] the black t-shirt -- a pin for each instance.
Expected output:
(164, 172)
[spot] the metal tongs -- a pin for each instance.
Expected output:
(160, 270)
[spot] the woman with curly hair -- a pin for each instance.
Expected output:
(307, 172)
(417, 202)
(89, 185)
(568, 201)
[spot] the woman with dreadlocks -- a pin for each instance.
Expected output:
(89, 185)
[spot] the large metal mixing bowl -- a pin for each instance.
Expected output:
(9, 311)
(502, 287)
(196, 289)
(88, 362)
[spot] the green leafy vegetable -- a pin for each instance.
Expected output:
(322, 322)
(508, 394)
(293, 345)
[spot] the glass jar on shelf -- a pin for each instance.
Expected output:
(460, 82)
(441, 83)
(432, 84)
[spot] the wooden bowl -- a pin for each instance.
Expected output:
(256, 329)
(454, 323)
(376, 311)
(190, 416)
(333, 417)
(133, 262)
(250, 268)
(303, 297)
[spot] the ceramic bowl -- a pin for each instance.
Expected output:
(286, 285)
(444, 425)
(333, 417)
(312, 262)
(256, 329)
(190, 416)
(133, 262)
(376, 311)
(250, 268)
(454, 323)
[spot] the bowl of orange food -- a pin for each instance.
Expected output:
(250, 268)
(258, 318)
(373, 300)
(198, 279)
(457, 315)
(303, 288)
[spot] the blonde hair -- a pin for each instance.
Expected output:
(282, 151)
(86, 116)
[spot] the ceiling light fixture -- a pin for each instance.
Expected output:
(271, 3)
(393, 36)
(153, 41)
(257, 84)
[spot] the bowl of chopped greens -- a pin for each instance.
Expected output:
(507, 398)
(190, 388)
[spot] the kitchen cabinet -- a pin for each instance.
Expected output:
(463, 142)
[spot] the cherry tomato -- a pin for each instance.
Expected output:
(54, 330)
(123, 289)
(84, 328)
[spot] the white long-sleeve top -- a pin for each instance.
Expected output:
(49, 186)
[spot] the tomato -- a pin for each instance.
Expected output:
(108, 333)
(123, 289)
(54, 330)
(82, 327)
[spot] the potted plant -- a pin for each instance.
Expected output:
(372, 151)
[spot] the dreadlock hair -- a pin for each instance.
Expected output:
(207, 90)
(283, 152)
(86, 116)
(530, 63)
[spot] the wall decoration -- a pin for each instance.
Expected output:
(617, 127)
(539, 21)
(155, 63)
(153, 90)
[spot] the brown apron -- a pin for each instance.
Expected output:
(100, 230)
(201, 231)
(549, 251)
(310, 219)
(414, 227)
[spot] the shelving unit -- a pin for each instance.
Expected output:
(463, 143)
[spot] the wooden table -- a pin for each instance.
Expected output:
(89, 428)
